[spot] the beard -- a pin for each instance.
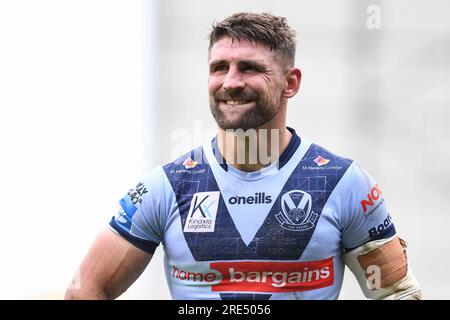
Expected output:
(250, 117)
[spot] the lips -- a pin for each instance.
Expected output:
(235, 102)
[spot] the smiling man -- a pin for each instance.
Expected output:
(267, 225)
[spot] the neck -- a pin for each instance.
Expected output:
(253, 149)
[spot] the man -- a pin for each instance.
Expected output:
(238, 223)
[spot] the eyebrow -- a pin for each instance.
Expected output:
(256, 63)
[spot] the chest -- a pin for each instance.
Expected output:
(258, 223)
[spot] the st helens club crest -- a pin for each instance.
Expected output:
(296, 211)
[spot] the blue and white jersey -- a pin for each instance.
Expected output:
(278, 233)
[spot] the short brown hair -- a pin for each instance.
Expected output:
(262, 28)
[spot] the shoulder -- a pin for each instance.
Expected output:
(186, 173)
(161, 173)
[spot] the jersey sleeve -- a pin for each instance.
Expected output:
(365, 216)
(142, 213)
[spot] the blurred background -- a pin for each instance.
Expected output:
(95, 93)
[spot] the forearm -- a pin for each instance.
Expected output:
(406, 289)
(382, 270)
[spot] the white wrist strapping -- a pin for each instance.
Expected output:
(382, 270)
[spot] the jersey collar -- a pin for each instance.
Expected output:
(294, 143)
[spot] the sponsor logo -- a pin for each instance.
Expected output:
(296, 211)
(180, 171)
(202, 212)
(125, 216)
(255, 276)
(258, 198)
(321, 161)
(121, 217)
(183, 275)
(372, 197)
(122, 220)
(189, 163)
(136, 194)
(321, 164)
(387, 223)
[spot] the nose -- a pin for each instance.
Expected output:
(233, 80)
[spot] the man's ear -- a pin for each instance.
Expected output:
(293, 78)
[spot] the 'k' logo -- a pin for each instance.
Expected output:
(202, 212)
(203, 208)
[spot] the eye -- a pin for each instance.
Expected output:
(249, 68)
(218, 68)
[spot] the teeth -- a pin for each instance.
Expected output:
(236, 102)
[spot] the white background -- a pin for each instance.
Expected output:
(93, 94)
